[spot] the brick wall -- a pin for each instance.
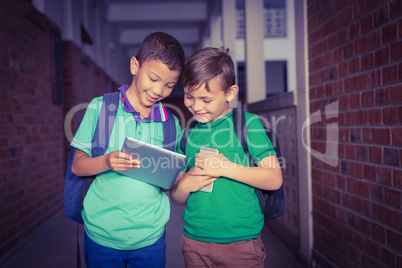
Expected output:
(355, 53)
(83, 80)
(31, 131)
(33, 143)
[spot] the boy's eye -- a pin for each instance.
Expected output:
(188, 96)
(207, 101)
(152, 79)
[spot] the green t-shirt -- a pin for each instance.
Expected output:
(121, 212)
(231, 212)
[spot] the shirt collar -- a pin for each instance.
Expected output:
(158, 111)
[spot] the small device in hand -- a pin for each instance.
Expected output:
(206, 150)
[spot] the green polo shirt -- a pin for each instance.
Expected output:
(231, 212)
(121, 212)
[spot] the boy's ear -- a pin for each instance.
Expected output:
(134, 65)
(232, 93)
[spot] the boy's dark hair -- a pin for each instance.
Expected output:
(164, 47)
(204, 65)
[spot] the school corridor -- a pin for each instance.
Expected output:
(54, 246)
(326, 76)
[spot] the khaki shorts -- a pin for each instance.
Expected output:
(240, 254)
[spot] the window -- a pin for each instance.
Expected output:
(241, 82)
(274, 18)
(276, 77)
(274, 21)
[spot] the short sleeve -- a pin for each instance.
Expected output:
(84, 135)
(259, 145)
(178, 150)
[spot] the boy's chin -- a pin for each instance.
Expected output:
(202, 119)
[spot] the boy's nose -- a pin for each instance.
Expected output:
(197, 105)
(157, 90)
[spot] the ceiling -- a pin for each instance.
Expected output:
(135, 19)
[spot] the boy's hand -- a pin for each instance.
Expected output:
(119, 161)
(193, 183)
(211, 165)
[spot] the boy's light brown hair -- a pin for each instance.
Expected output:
(204, 65)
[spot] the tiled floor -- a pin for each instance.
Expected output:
(54, 246)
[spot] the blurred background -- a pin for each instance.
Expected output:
(326, 75)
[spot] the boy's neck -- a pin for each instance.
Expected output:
(134, 100)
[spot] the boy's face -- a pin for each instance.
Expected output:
(153, 81)
(209, 106)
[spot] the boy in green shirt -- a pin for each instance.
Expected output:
(125, 218)
(222, 228)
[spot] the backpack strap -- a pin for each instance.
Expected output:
(100, 140)
(100, 143)
(272, 202)
(240, 127)
(169, 132)
(186, 133)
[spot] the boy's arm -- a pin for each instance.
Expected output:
(186, 184)
(177, 194)
(84, 165)
(267, 175)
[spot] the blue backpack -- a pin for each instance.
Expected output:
(272, 202)
(75, 188)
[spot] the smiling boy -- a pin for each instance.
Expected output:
(222, 228)
(124, 218)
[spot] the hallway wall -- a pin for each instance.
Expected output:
(355, 53)
(31, 132)
(41, 79)
(354, 62)
(82, 81)
(278, 113)
(33, 143)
